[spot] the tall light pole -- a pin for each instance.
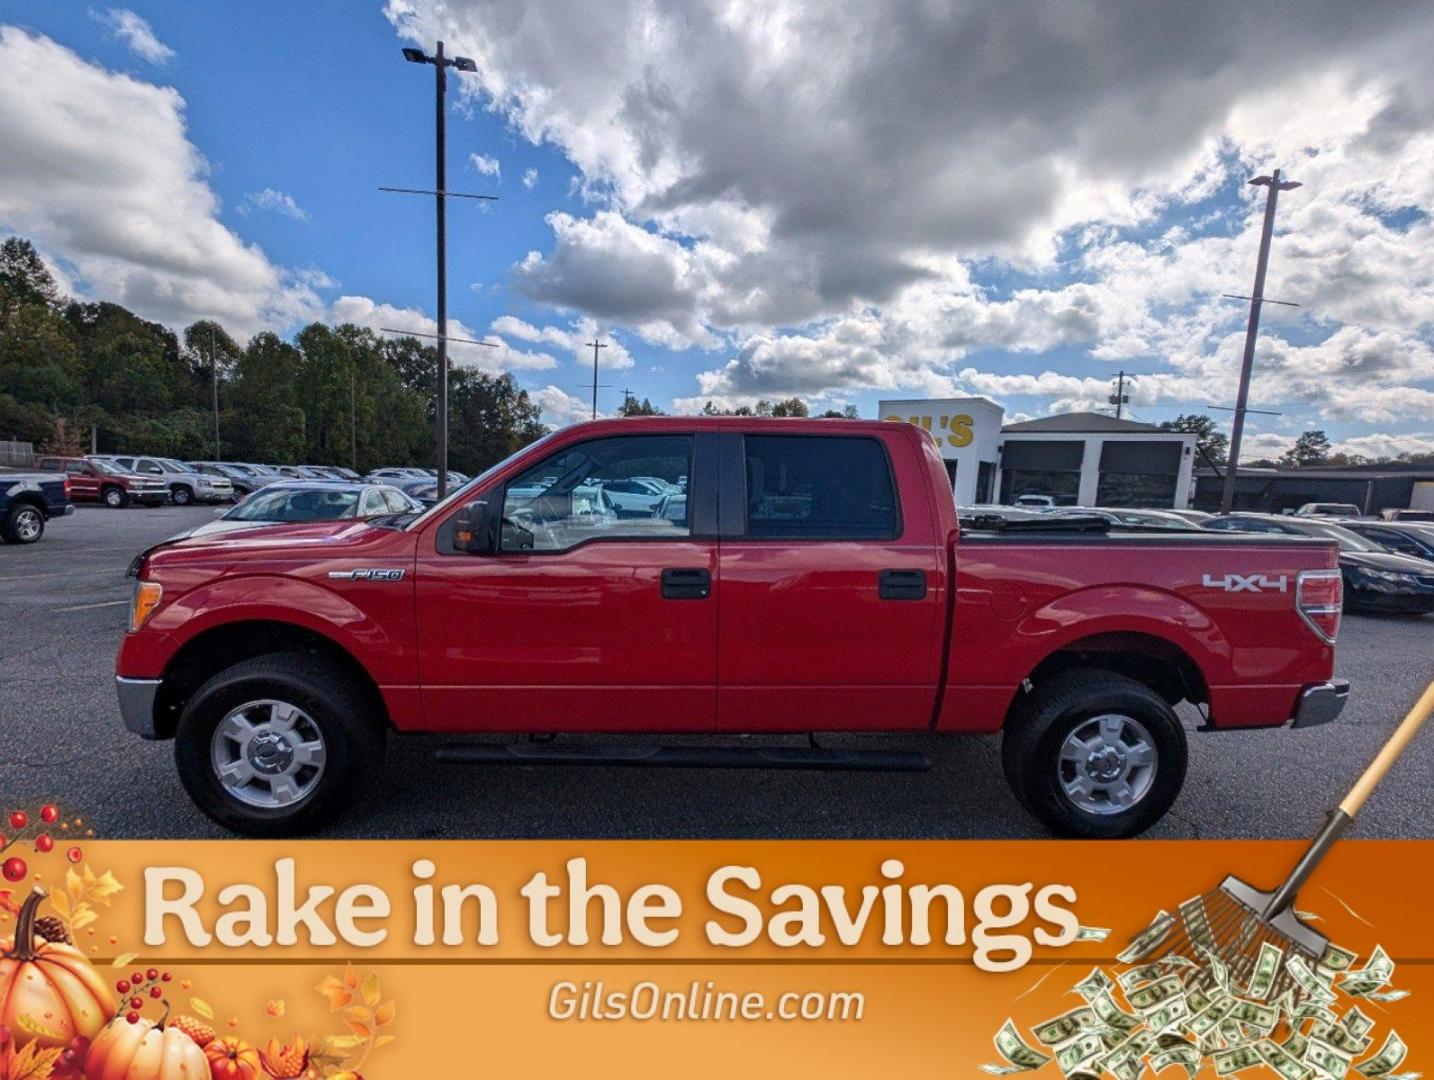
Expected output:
(596, 345)
(214, 370)
(1257, 298)
(441, 63)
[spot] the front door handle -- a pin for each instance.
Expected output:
(686, 584)
(901, 584)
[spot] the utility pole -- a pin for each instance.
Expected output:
(353, 418)
(1119, 399)
(440, 193)
(1257, 298)
(596, 345)
(214, 369)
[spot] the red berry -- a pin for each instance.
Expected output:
(136, 1003)
(132, 1017)
(155, 991)
(49, 814)
(165, 977)
(152, 974)
(44, 843)
(14, 869)
(137, 978)
(19, 819)
(74, 854)
(122, 986)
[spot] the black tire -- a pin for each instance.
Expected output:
(352, 731)
(1059, 706)
(116, 498)
(181, 495)
(24, 523)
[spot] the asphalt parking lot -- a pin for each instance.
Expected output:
(63, 606)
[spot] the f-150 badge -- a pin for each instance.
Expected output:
(368, 574)
(1247, 583)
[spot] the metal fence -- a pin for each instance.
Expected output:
(16, 455)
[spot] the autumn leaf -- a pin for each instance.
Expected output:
(7, 902)
(359, 1013)
(342, 1042)
(33, 1063)
(202, 1007)
(123, 959)
(351, 979)
(276, 1008)
(61, 903)
(102, 888)
(384, 1014)
(363, 1031)
(338, 994)
(74, 885)
(383, 1040)
(84, 915)
(371, 993)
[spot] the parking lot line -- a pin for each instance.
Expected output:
(87, 607)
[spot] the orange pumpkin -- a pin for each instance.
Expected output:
(49, 994)
(232, 1058)
(144, 1050)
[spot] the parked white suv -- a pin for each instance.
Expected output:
(186, 483)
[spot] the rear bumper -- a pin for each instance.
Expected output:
(1321, 703)
(136, 702)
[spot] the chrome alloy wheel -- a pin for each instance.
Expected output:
(1108, 764)
(268, 754)
(28, 525)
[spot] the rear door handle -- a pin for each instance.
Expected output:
(686, 584)
(901, 584)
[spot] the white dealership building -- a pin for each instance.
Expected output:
(1079, 459)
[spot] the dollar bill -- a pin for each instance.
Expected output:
(1020, 1056)
(1257, 1015)
(1144, 973)
(1168, 1015)
(1080, 1052)
(1374, 975)
(1340, 1038)
(1313, 1010)
(1149, 939)
(1208, 1019)
(1112, 1015)
(1391, 1055)
(1308, 981)
(1067, 1026)
(1335, 958)
(1094, 985)
(1296, 1043)
(1236, 1059)
(1197, 923)
(1219, 973)
(1329, 1060)
(1197, 998)
(1092, 933)
(1188, 1057)
(1355, 1022)
(1151, 996)
(1387, 995)
(1282, 1061)
(1267, 966)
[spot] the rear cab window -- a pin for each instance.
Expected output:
(809, 487)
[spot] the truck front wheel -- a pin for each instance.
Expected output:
(278, 745)
(1093, 754)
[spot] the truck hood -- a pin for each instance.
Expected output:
(299, 538)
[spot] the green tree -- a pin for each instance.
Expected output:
(265, 394)
(489, 417)
(1311, 448)
(632, 407)
(1213, 444)
(791, 407)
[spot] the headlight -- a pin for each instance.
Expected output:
(147, 595)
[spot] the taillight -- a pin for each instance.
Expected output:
(67, 487)
(1319, 595)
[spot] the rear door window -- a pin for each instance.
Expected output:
(802, 487)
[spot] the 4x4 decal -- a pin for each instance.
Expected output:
(1247, 583)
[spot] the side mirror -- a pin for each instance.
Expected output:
(476, 531)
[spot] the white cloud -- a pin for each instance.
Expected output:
(277, 201)
(379, 316)
(560, 408)
(135, 32)
(576, 341)
(530, 178)
(98, 169)
(813, 188)
(486, 165)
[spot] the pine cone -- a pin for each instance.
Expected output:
(52, 929)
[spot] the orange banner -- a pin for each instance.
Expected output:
(379, 975)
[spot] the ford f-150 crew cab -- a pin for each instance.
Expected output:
(807, 576)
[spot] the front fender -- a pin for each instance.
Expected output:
(381, 644)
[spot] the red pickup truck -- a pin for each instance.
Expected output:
(718, 576)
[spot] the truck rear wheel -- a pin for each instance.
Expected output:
(1094, 754)
(278, 745)
(24, 524)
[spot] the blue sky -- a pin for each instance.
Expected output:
(747, 211)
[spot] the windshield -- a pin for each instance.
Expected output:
(109, 469)
(176, 466)
(458, 493)
(296, 504)
(1347, 540)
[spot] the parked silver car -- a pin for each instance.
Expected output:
(186, 483)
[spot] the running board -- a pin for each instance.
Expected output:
(683, 757)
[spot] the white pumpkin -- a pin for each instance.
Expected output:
(144, 1051)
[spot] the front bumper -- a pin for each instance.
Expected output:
(136, 702)
(1321, 703)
